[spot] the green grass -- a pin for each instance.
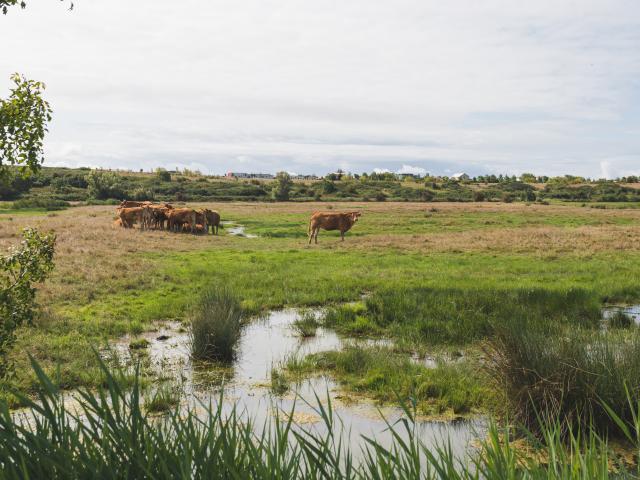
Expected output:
(164, 399)
(216, 325)
(564, 371)
(386, 376)
(306, 324)
(115, 439)
(439, 316)
(297, 277)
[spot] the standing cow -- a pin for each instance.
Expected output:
(331, 221)
(213, 219)
(178, 217)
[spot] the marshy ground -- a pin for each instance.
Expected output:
(434, 280)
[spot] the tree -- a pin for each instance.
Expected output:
(282, 187)
(23, 124)
(163, 175)
(103, 185)
(25, 265)
(5, 4)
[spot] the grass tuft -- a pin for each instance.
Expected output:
(216, 325)
(565, 373)
(306, 324)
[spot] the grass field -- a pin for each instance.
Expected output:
(110, 281)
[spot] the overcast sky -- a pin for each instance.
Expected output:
(548, 86)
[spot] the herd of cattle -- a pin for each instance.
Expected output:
(152, 216)
(165, 216)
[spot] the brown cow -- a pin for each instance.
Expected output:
(213, 219)
(177, 217)
(331, 221)
(159, 213)
(130, 216)
(132, 204)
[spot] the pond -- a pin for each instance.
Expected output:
(265, 344)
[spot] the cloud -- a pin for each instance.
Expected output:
(487, 86)
(381, 170)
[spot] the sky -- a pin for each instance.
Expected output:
(499, 86)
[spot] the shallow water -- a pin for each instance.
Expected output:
(632, 310)
(237, 230)
(265, 344)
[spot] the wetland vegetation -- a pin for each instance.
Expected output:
(490, 309)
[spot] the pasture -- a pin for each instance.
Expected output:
(111, 281)
(440, 284)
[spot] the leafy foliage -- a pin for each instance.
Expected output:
(23, 124)
(103, 185)
(5, 4)
(282, 187)
(25, 265)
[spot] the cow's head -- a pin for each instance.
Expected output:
(354, 216)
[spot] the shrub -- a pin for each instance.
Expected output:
(216, 325)
(142, 194)
(25, 265)
(40, 202)
(507, 197)
(380, 197)
(478, 196)
(163, 175)
(103, 185)
(282, 187)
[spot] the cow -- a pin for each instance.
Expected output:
(159, 213)
(177, 217)
(132, 204)
(213, 219)
(130, 216)
(331, 221)
(201, 219)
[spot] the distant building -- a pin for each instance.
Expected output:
(304, 177)
(402, 176)
(248, 175)
(460, 177)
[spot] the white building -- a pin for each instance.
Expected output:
(460, 177)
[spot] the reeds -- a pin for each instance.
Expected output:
(216, 325)
(107, 435)
(565, 373)
(306, 324)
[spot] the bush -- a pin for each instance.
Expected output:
(41, 202)
(216, 325)
(478, 196)
(103, 185)
(380, 197)
(507, 197)
(25, 265)
(282, 187)
(163, 175)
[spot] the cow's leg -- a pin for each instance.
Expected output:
(317, 230)
(342, 235)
